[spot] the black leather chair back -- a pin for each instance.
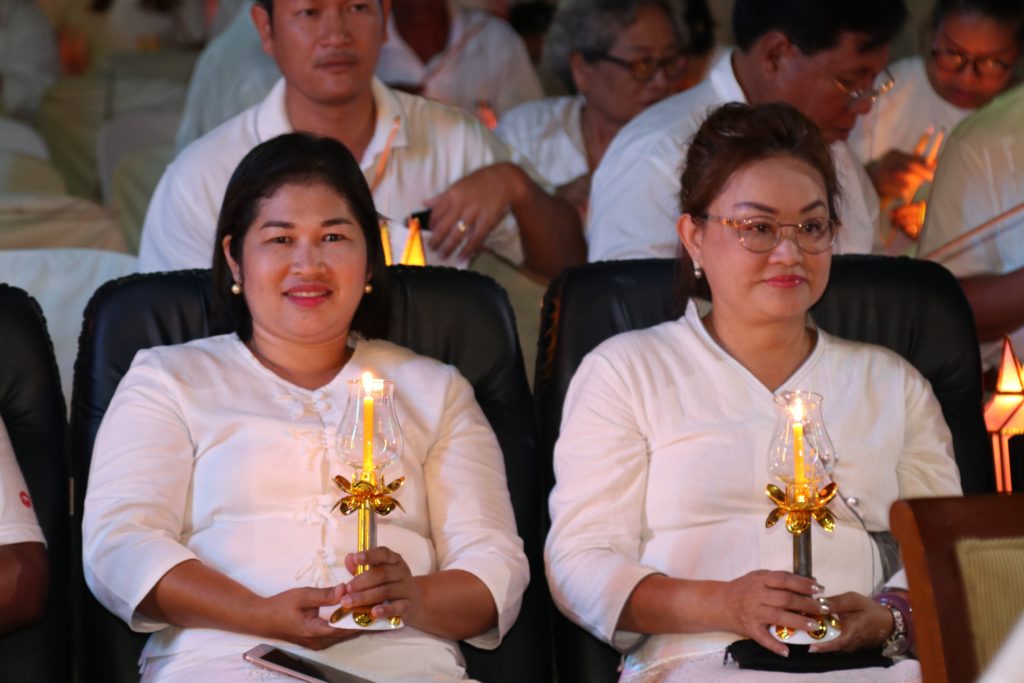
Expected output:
(915, 308)
(32, 408)
(458, 317)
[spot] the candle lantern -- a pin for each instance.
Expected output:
(1004, 418)
(369, 439)
(802, 458)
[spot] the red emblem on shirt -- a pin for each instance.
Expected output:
(25, 500)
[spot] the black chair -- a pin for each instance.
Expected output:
(32, 408)
(915, 308)
(455, 316)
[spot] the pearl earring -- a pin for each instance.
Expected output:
(698, 272)
(368, 288)
(236, 288)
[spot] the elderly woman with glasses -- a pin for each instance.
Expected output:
(974, 47)
(619, 57)
(658, 542)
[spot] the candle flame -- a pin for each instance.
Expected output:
(367, 382)
(798, 411)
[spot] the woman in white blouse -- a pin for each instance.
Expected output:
(208, 519)
(658, 542)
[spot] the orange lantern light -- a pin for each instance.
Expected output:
(1004, 418)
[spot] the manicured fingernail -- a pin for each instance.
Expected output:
(812, 626)
(825, 609)
(346, 601)
(817, 588)
(784, 652)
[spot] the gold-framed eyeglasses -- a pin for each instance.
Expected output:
(645, 68)
(956, 61)
(761, 234)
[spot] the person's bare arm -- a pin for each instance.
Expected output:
(746, 606)
(194, 595)
(549, 227)
(997, 302)
(24, 577)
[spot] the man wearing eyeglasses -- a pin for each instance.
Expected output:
(974, 47)
(821, 57)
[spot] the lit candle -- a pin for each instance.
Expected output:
(367, 424)
(799, 473)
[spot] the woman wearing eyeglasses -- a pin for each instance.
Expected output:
(658, 542)
(975, 45)
(619, 57)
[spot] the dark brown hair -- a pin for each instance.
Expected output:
(301, 159)
(736, 135)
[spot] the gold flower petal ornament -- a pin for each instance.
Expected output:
(378, 498)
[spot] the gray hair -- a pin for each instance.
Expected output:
(590, 27)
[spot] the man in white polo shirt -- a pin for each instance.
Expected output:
(821, 57)
(416, 154)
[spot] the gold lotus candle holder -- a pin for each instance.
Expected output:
(802, 458)
(370, 439)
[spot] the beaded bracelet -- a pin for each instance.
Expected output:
(897, 601)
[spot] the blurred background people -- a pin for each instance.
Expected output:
(466, 58)
(619, 57)
(974, 47)
(980, 176)
(93, 31)
(702, 49)
(822, 58)
(232, 74)
(29, 62)
(417, 154)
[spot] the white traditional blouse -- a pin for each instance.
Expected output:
(662, 464)
(206, 454)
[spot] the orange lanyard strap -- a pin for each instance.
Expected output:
(385, 155)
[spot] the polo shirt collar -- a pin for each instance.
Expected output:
(723, 80)
(272, 120)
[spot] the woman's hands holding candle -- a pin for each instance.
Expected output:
(387, 586)
(866, 624)
(762, 599)
(293, 616)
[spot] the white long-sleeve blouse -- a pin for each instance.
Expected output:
(662, 463)
(206, 454)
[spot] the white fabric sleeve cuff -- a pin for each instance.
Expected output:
(501, 584)
(151, 563)
(21, 533)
